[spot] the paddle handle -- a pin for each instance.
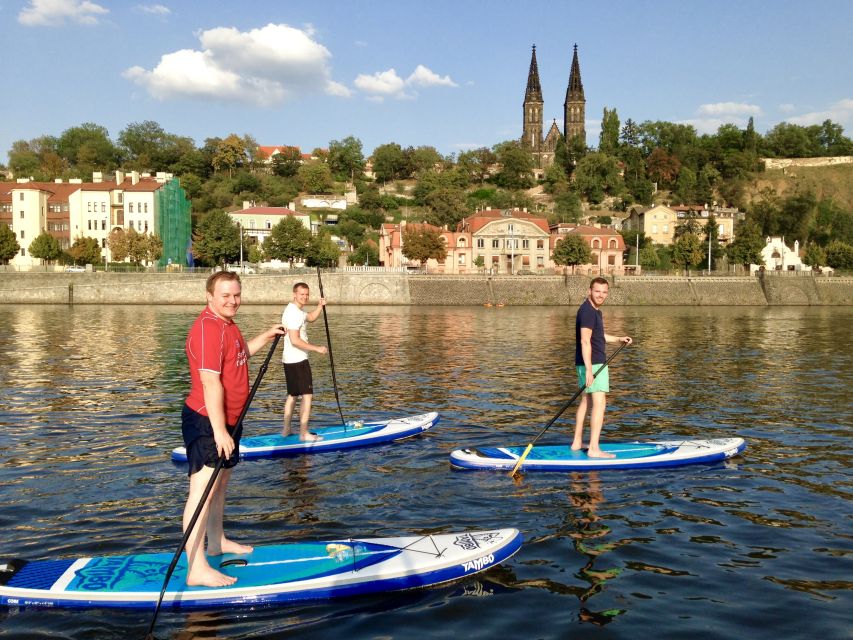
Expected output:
(331, 357)
(560, 412)
(216, 469)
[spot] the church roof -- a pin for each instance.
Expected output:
(534, 89)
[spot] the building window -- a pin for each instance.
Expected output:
(540, 262)
(21, 197)
(596, 243)
(22, 234)
(89, 207)
(496, 244)
(461, 242)
(103, 243)
(146, 207)
(119, 197)
(461, 259)
(665, 228)
(22, 215)
(251, 223)
(525, 244)
(146, 226)
(103, 225)
(23, 252)
(130, 207)
(540, 244)
(269, 224)
(611, 259)
(90, 224)
(480, 243)
(103, 207)
(654, 228)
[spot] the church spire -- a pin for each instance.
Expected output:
(574, 108)
(534, 89)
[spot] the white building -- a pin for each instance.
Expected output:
(776, 256)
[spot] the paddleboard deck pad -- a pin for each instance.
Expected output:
(270, 574)
(629, 455)
(335, 438)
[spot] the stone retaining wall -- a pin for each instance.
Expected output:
(405, 289)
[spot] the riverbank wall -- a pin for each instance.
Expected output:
(378, 288)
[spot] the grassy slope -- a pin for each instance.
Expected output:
(825, 182)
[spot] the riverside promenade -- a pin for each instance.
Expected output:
(382, 288)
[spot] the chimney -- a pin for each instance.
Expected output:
(97, 177)
(22, 180)
(134, 177)
(57, 180)
(119, 177)
(75, 181)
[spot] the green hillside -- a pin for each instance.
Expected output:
(834, 182)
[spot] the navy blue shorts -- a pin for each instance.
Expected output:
(199, 442)
(300, 382)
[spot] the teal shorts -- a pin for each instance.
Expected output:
(601, 382)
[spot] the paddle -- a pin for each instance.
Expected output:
(207, 490)
(560, 412)
(331, 357)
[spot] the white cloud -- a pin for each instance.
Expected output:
(423, 77)
(711, 125)
(840, 113)
(729, 108)
(263, 66)
(787, 107)
(156, 9)
(53, 13)
(387, 84)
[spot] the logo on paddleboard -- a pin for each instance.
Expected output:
(111, 573)
(478, 564)
(471, 541)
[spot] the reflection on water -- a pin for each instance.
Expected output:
(89, 402)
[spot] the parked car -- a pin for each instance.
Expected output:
(75, 268)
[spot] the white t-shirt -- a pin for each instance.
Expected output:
(294, 318)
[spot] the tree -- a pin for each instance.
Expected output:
(351, 230)
(286, 162)
(839, 255)
(315, 177)
(516, 166)
(608, 140)
(446, 207)
(572, 250)
(366, 254)
(141, 143)
(346, 159)
(422, 243)
(388, 162)
(45, 247)
(9, 246)
(746, 248)
(85, 251)
(662, 167)
(477, 164)
(288, 241)
(567, 207)
(322, 251)
(649, 256)
(630, 134)
(596, 176)
(216, 240)
(687, 251)
(814, 255)
(422, 158)
(229, 154)
(89, 147)
(787, 140)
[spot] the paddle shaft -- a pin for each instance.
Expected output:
(216, 469)
(329, 342)
(562, 409)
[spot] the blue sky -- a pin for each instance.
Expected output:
(449, 73)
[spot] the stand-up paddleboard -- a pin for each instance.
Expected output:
(629, 455)
(342, 436)
(279, 573)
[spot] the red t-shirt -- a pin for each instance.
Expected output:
(218, 346)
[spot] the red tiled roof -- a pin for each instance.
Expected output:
(267, 211)
(474, 223)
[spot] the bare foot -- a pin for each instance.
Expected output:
(209, 577)
(310, 437)
(598, 453)
(285, 433)
(229, 546)
(577, 446)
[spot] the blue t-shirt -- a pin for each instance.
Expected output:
(590, 318)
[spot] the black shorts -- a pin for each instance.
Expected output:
(299, 379)
(199, 442)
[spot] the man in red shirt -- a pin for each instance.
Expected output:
(218, 358)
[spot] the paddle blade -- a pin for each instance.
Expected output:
(520, 461)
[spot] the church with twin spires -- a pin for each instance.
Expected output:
(574, 109)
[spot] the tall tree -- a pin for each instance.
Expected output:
(45, 247)
(366, 254)
(288, 241)
(446, 207)
(746, 248)
(230, 154)
(597, 176)
(216, 240)
(687, 251)
(315, 177)
(85, 250)
(9, 246)
(608, 140)
(477, 164)
(571, 251)
(322, 251)
(388, 162)
(422, 243)
(346, 159)
(516, 165)
(88, 146)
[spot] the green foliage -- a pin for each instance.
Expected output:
(649, 256)
(477, 164)
(256, 253)
(88, 146)
(372, 219)
(350, 230)
(247, 183)
(322, 251)
(839, 255)
(597, 176)
(366, 254)
(229, 154)
(288, 241)
(422, 243)
(346, 159)
(747, 245)
(687, 251)
(216, 240)
(571, 250)
(446, 207)
(9, 246)
(608, 140)
(45, 247)
(286, 162)
(516, 166)
(315, 177)
(85, 251)
(479, 262)
(567, 207)
(389, 162)
(814, 255)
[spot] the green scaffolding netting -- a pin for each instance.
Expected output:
(173, 223)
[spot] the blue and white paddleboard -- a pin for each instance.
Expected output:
(342, 436)
(278, 573)
(629, 455)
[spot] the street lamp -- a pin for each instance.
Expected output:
(240, 229)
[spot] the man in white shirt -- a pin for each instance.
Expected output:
(297, 370)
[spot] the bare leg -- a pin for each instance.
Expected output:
(304, 417)
(580, 416)
(289, 403)
(199, 571)
(217, 543)
(596, 421)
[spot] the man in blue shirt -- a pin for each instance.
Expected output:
(590, 355)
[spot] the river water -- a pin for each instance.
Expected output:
(758, 546)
